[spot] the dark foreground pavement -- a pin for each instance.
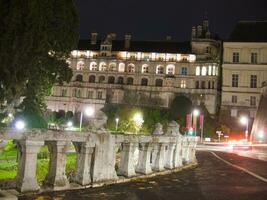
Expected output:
(212, 179)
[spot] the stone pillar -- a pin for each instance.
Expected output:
(169, 156)
(56, 177)
(126, 166)
(159, 150)
(144, 166)
(177, 155)
(83, 163)
(27, 160)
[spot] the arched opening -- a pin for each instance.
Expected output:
(180, 107)
(93, 66)
(130, 81)
(144, 81)
(197, 84)
(102, 66)
(92, 79)
(131, 68)
(145, 68)
(79, 78)
(121, 67)
(160, 69)
(101, 79)
(111, 79)
(170, 69)
(159, 82)
(120, 80)
(80, 65)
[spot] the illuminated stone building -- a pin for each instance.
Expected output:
(141, 72)
(244, 72)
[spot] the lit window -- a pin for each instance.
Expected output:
(197, 71)
(145, 68)
(93, 66)
(210, 70)
(102, 66)
(183, 84)
(170, 69)
(131, 68)
(112, 67)
(121, 67)
(214, 70)
(80, 65)
(204, 71)
(160, 69)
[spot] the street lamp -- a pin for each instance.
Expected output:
(244, 121)
(196, 112)
(117, 122)
(69, 124)
(138, 120)
(195, 115)
(20, 125)
(89, 111)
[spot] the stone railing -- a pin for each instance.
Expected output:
(97, 154)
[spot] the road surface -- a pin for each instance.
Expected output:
(218, 176)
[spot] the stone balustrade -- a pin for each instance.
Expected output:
(101, 156)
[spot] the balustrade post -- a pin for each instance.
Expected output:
(56, 177)
(126, 165)
(27, 161)
(83, 163)
(158, 164)
(177, 156)
(169, 156)
(185, 150)
(144, 166)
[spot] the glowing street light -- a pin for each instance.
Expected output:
(89, 111)
(196, 112)
(20, 125)
(138, 120)
(69, 124)
(244, 120)
(117, 122)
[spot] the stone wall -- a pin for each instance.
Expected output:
(97, 154)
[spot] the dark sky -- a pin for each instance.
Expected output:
(155, 19)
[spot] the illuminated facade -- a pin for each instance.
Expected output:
(141, 72)
(244, 72)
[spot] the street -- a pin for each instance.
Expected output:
(218, 176)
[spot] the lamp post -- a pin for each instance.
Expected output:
(244, 121)
(117, 122)
(20, 125)
(195, 115)
(89, 111)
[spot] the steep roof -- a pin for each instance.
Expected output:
(141, 46)
(249, 31)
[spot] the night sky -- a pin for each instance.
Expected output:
(155, 19)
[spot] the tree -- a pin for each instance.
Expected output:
(36, 38)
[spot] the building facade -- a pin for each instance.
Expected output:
(142, 73)
(244, 71)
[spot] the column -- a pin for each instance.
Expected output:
(126, 166)
(83, 163)
(56, 177)
(27, 160)
(158, 164)
(169, 156)
(177, 155)
(144, 166)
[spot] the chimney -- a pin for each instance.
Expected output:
(194, 32)
(93, 37)
(199, 31)
(127, 41)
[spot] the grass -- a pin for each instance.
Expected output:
(8, 167)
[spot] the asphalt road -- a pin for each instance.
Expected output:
(213, 179)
